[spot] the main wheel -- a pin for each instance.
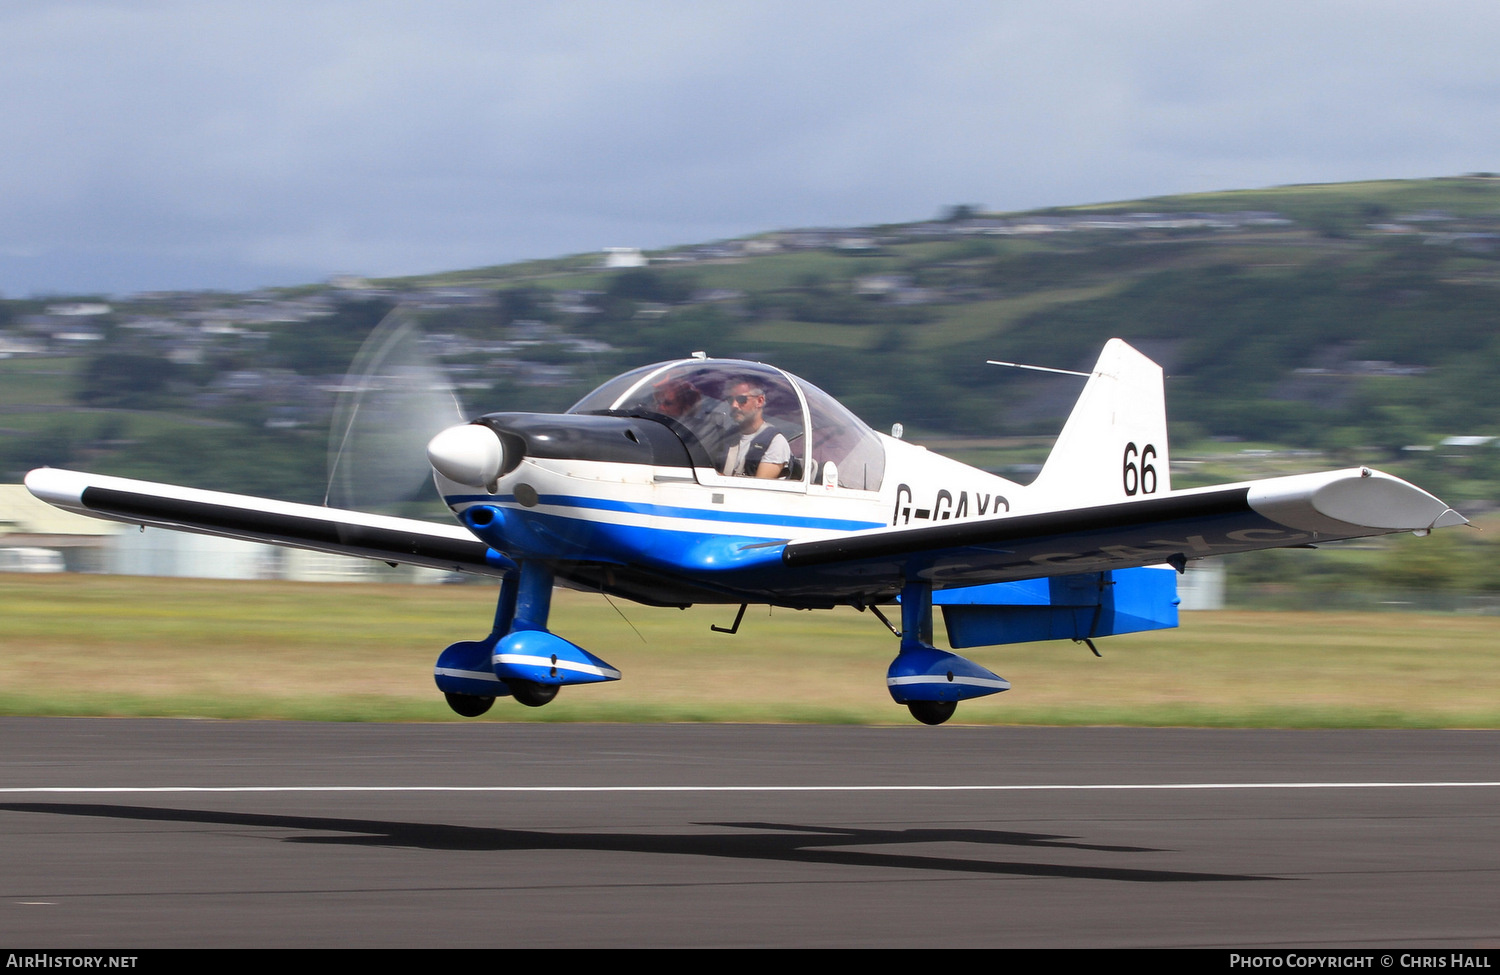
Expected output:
(532, 694)
(932, 712)
(468, 705)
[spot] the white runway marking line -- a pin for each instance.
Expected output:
(1098, 787)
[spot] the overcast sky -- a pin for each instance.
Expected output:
(231, 145)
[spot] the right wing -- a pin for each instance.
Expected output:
(334, 530)
(1299, 510)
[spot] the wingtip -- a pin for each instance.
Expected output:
(1449, 519)
(1358, 498)
(53, 485)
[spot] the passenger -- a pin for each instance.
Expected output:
(676, 397)
(705, 417)
(762, 450)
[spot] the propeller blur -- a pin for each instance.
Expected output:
(723, 481)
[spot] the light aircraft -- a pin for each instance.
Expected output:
(626, 494)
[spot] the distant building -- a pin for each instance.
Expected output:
(33, 535)
(16, 345)
(27, 523)
(880, 284)
(79, 309)
(1201, 587)
(623, 257)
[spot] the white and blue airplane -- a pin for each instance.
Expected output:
(627, 494)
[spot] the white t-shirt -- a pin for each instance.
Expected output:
(779, 452)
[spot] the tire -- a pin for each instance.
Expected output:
(932, 712)
(468, 705)
(532, 694)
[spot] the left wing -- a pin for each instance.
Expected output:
(335, 530)
(1281, 512)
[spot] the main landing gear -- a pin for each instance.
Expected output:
(929, 681)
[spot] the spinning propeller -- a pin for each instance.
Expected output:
(394, 400)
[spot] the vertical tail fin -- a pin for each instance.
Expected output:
(1114, 446)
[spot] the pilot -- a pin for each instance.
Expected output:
(762, 451)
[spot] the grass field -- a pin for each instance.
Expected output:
(109, 645)
(37, 381)
(800, 333)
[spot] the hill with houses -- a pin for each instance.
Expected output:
(1300, 326)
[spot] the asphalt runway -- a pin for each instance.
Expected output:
(489, 834)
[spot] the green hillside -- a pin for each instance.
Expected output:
(1347, 322)
(1351, 319)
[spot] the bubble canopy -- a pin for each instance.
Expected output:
(830, 446)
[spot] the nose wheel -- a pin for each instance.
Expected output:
(468, 705)
(932, 712)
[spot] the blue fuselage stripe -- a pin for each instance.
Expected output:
(667, 511)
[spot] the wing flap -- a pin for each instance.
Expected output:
(334, 530)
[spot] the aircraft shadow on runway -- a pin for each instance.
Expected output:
(764, 841)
